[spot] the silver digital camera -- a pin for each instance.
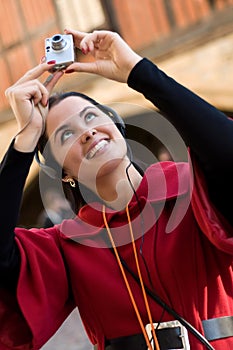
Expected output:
(61, 49)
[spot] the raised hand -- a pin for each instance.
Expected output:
(26, 93)
(113, 58)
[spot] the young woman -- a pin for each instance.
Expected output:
(121, 260)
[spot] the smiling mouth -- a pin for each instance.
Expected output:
(100, 145)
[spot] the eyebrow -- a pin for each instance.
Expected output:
(65, 126)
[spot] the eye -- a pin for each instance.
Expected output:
(90, 116)
(66, 135)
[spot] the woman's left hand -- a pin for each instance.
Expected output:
(23, 95)
(113, 58)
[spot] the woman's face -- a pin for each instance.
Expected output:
(84, 140)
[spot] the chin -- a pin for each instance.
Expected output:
(111, 166)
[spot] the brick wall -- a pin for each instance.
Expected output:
(23, 24)
(142, 22)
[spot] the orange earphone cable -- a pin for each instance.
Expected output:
(128, 286)
(141, 281)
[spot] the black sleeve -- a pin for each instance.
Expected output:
(207, 131)
(13, 173)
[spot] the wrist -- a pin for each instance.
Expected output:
(26, 142)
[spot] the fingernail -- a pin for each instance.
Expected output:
(69, 71)
(51, 62)
(84, 51)
(42, 59)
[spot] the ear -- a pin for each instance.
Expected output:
(70, 180)
(66, 178)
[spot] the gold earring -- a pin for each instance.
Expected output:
(72, 182)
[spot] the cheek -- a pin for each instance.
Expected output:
(120, 147)
(68, 157)
(72, 160)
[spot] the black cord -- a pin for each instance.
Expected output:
(154, 296)
(140, 208)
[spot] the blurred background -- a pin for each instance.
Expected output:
(192, 40)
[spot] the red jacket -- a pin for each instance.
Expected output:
(188, 248)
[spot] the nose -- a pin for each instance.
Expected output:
(87, 135)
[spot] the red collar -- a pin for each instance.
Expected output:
(161, 182)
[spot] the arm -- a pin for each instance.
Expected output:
(205, 130)
(16, 163)
(13, 172)
(198, 122)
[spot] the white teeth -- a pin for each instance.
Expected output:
(96, 148)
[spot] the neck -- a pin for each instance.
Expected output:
(115, 189)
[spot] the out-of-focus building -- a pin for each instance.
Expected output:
(192, 40)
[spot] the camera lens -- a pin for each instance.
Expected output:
(58, 43)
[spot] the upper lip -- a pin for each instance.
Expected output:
(94, 144)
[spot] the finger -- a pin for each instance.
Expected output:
(89, 42)
(37, 96)
(88, 67)
(97, 39)
(43, 59)
(77, 36)
(38, 91)
(26, 90)
(34, 73)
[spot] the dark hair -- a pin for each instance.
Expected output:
(51, 166)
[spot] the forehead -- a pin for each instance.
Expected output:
(62, 111)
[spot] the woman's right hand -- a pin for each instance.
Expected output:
(26, 90)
